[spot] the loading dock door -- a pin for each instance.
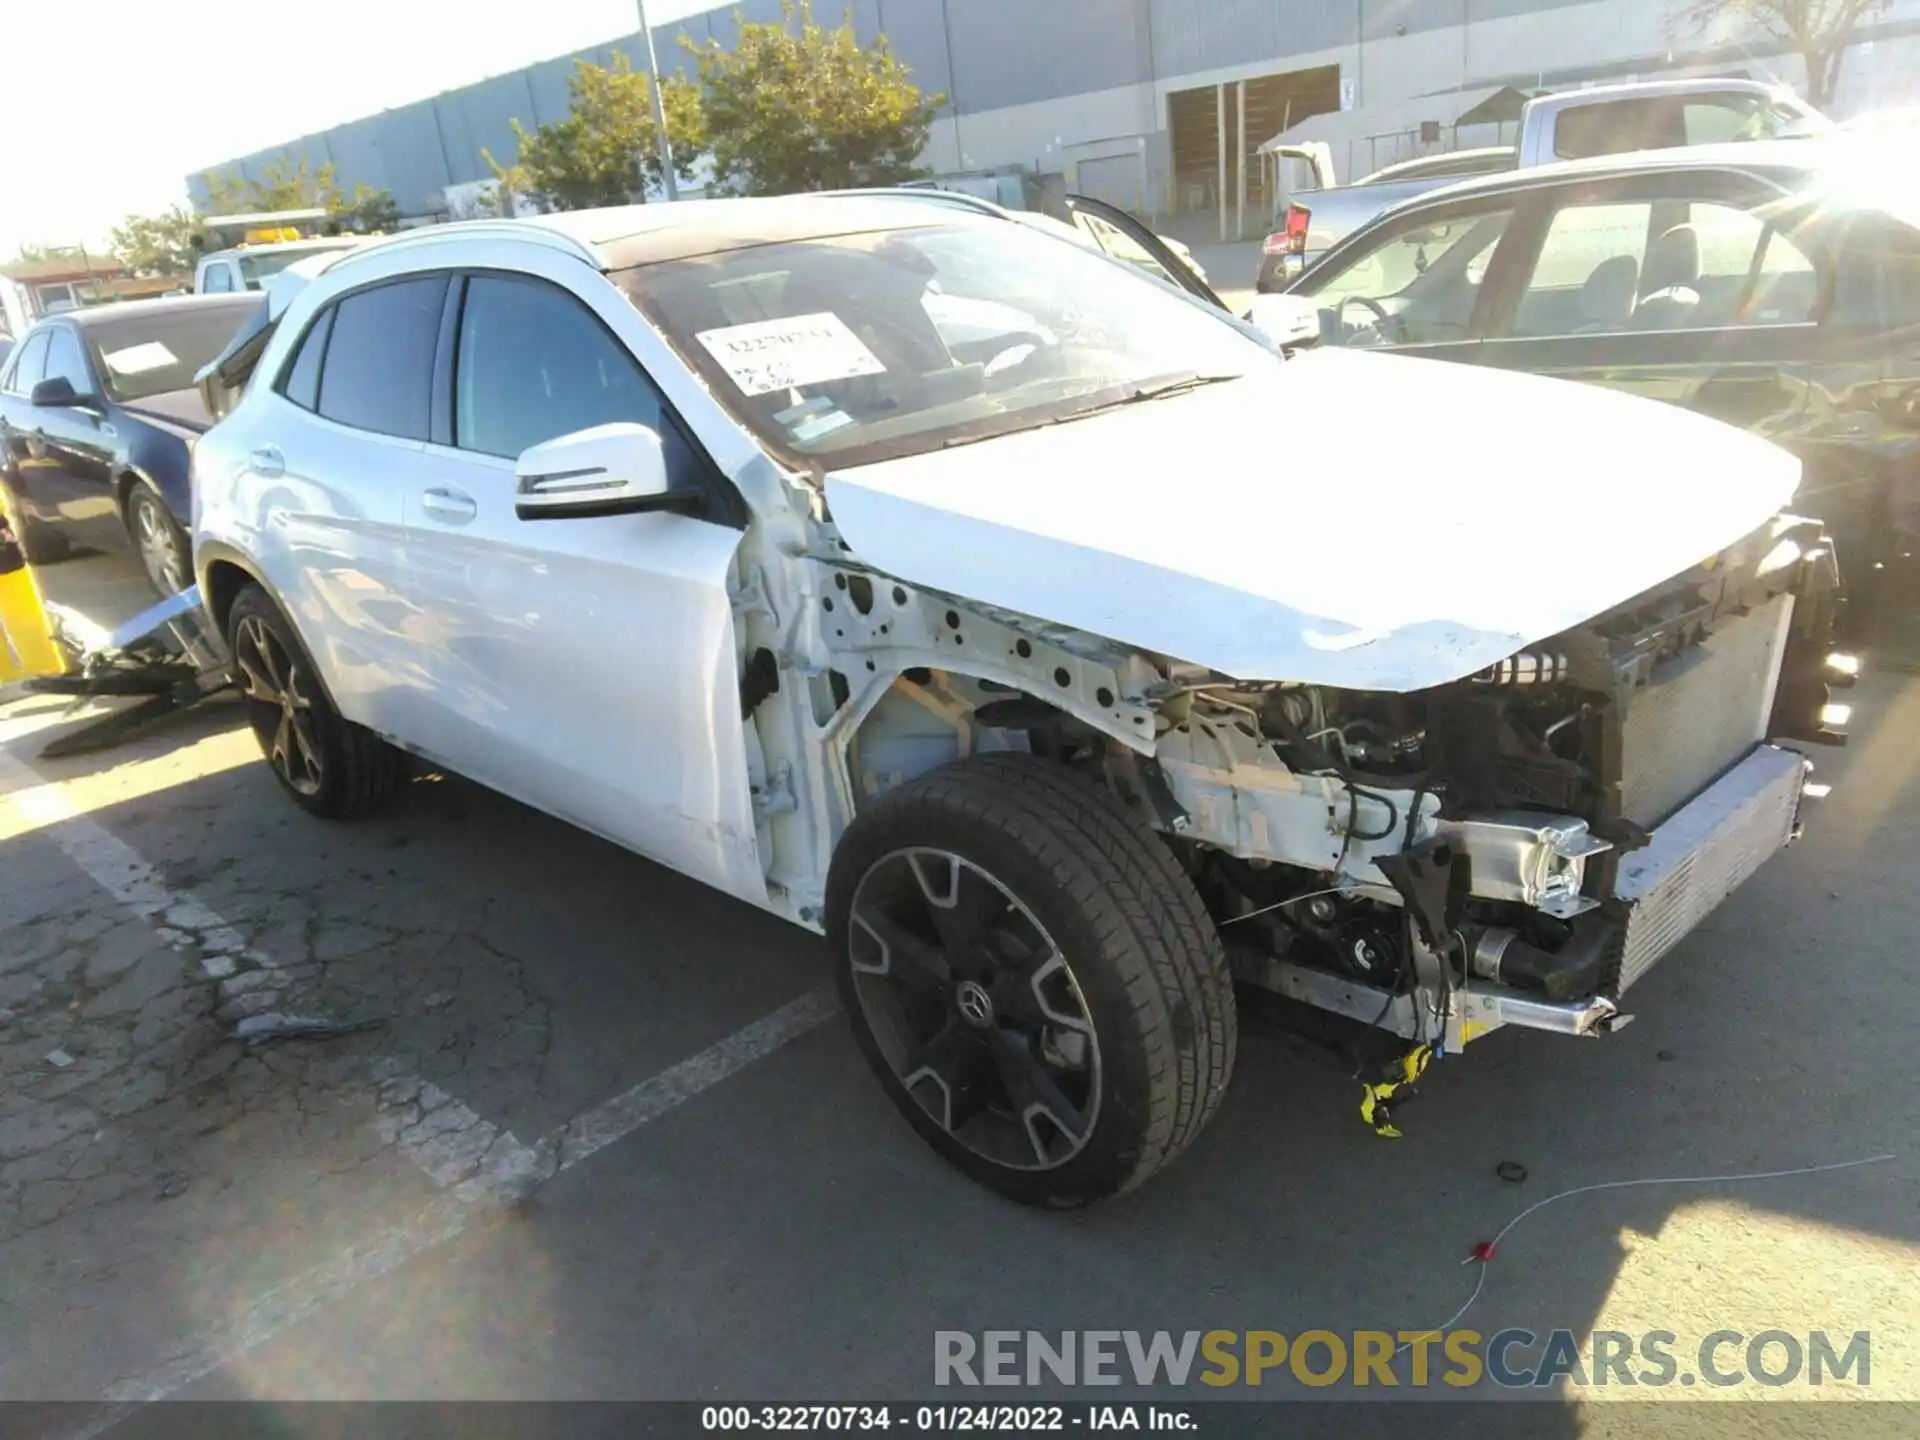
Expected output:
(1272, 103)
(1119, 180)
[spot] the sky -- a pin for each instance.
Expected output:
(115, 102)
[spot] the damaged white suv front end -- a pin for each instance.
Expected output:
(1045, 639)
(1467, 729)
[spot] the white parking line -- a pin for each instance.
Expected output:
(448, 1217)
(177, 916)
(480, 1166)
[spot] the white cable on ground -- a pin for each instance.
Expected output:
(1484, 1252)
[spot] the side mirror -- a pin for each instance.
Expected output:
(1290, 321)
(54, 393)
(616, 469)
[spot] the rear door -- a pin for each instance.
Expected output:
(1676, 286)
(330, 454)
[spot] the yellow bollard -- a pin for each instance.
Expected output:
(26, 643)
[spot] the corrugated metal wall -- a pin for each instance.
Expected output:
(986, 55)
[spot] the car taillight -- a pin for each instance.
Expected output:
(1291, 238)
(1296, 231)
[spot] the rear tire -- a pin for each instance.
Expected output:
(1050, 1007)
(329, 766)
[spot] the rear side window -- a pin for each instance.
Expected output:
(378, 374)
(1615, 127)
(1663, 265)
(303, 376)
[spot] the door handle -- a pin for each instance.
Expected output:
(454, 506)
(267, 461)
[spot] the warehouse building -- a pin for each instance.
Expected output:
(1157, 105)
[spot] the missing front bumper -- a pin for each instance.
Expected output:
(1704, 851)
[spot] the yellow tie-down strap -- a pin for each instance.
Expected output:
(1376, 1099)
(26, 642)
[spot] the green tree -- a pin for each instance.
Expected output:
(157, 244)
(593, 156)
(794, 106)
(285, 185)
(1819, 31)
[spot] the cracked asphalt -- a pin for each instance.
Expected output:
(595, 1140)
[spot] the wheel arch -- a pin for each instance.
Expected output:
(130, 478)
(223, 573)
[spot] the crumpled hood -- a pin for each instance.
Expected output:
(1365, 521)
(181, 409)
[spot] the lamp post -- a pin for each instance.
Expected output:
(659, 112)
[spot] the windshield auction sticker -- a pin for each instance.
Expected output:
(770, 355)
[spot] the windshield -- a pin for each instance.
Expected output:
(160, 351)
(854, 348)
(257, 265)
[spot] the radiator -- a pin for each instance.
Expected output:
(1700, 855)
(1701, 712)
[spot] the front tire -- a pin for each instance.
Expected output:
(329, 766)
(1033, 978)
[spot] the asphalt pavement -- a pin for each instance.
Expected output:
(603, 1135)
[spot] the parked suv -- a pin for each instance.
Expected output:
(927, 580)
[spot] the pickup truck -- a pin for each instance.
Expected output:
(1317, 213)
(248, 267)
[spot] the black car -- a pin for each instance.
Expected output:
(1773, 286)
(98, 413)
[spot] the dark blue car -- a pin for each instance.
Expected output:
(98, 414)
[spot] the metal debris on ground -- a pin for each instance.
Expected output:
(168, 657)
(169, 1184)
(59, 1059)
(258, 1029)
(1511, 1171)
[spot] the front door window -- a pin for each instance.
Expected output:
(1418, 285)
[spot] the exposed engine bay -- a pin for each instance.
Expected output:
(1513, 847)
(1484, 830)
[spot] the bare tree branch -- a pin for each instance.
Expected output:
(1819, 31)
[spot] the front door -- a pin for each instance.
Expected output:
(75, 443)
(585, 665)
(1420, 284)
